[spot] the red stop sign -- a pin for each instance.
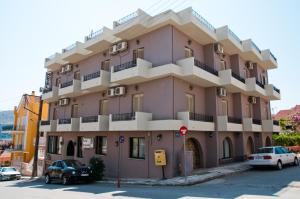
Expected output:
(183, 130)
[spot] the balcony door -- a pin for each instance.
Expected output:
(54, 116)
(223, 107)
(188, 52)
(77, 75)
(190, 105)
(137, 103)
(103, 107)
(138, 53)
(57, 82)
(74, 112)
(105, 65)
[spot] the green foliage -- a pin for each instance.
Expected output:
(287, 139)
(97, 167)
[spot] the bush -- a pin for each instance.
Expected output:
(97, 167)
(291, 139)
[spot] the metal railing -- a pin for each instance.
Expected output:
(45, 122)
(273, 56)
(47, 90)
(234, 36)
(259, 84)
(234, 120)
(94, 34)
(275, 122)
(50, 57)
(126, 19)
(203, 21)
(276, 89)
(89, 119)
(125, 66)
(205, 67)
(201, 117)
(123, 116)
(18, 147)
(72, 46)
(256, 121)
(66, 84)
(255, 46)
(64, 121)
(236, 76)
(91, 76)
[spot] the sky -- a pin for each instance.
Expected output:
(32, 30)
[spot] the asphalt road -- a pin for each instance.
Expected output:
(266, 183)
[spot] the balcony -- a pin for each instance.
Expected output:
(18, 147)
(70, 88)
(272, 92)
(69, 124)
(270, 126)
(226, 123)
(131, 72)
(231, 81)
(54, 62)
(74, 52)
(255, 88)
(50, 94)
(198, 73)
(196, 121)
(137, 121)
(252, 125)
(94, 82)
(94, 123)
(269, 60)
(251, 51)
(99, 40)
(232, 44)
(48, 126)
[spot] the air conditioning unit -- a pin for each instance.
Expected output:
(68, 67)
(219, 49)
(252, 99)
(250, 65)
(122, 46)
(120, 90)
(113, 50)
(111, 92)
(222, 92)
(64, 102)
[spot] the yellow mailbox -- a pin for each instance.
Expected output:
(160, 157)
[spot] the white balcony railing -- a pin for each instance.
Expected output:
(94, 123)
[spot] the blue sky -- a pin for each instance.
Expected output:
(32, 30)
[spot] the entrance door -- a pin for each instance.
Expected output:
(250, 146)
(193, 145)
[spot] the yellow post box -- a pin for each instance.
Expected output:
(160, 157)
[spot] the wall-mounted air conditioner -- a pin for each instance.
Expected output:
(120, 90)
(222, 92)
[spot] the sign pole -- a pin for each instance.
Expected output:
(184, 156)
(118, 180)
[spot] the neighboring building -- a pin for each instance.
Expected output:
(287, 115)
(146, 78)
(24, 133)
(6, 117)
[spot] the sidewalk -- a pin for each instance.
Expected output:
(199, 176)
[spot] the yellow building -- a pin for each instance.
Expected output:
(25, 129)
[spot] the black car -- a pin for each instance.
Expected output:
(67, 171)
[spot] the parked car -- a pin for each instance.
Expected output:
(273, 156)
(9, 173)
(67, 171)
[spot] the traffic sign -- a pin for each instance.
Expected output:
(183, 130)
(121, 139)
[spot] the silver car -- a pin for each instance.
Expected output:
(9, 173)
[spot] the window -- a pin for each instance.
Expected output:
(101, 145)
(79, 146)
(188, 52)
(74, 111)
(105, 65)
(103, 107)
(138, 53)
(137, 103)
(57, 82)
(278, 151)
(52, 144)
(77, 75)
(190, 103)
(137, 148)
(59, 164)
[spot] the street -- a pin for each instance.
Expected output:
(263, 183)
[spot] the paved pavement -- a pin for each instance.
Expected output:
(264, 183)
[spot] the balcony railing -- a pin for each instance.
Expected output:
(93, 34)
(69, 48)
(205, 67)
(64, 121)
(18, 147)
(66, 84)
(50, 57)
(276, 123)
(123, 117)
(256, 121)
(201, 117)
(256, 47)
(276, 89)
(204, 21)
(236, 76)
(272, 55)
(235, 36)
(91, 76)
(124, 66)
(89, 119)
(45, 122)
(126, 19)
(47, 90)
(234, 120)
(259, 84)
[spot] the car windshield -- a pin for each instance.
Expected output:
(265, 150)
(8, 169)
(73, 163)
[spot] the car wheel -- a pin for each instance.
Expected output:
(65, 180)
(279, 165)
(47, 179)
(296, 162)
